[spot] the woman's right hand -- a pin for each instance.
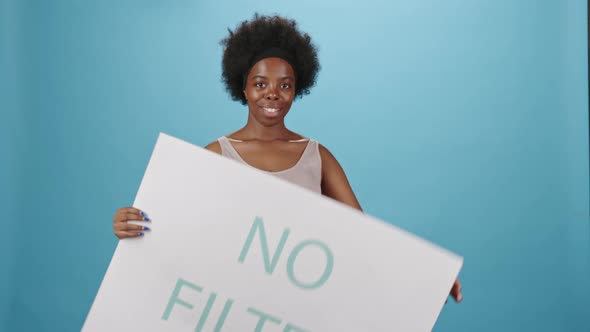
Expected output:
(123, 229)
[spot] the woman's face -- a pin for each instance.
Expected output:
(270, 90)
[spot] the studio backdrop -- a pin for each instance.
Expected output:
(464, 122)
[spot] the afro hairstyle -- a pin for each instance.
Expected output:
(261, 33)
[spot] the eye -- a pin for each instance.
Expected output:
(260, 84)
(286, 86)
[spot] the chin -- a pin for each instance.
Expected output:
(269, 121)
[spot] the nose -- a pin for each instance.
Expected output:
(271, 94)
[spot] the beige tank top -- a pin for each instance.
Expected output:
(307, 172)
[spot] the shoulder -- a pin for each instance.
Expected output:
(328, 159)
(330, 165)
(214, 146)
(324, 152)
(334, 181)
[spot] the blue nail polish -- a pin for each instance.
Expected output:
(145, 228)
(146, 219)
(142, 214)
(141, 234)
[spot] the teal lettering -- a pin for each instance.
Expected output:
(269, 264)
(223, 315)
(292, 328)
(205, 313)
(327, 269)
(174, 297)
(263, 317)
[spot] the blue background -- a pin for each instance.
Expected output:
(465, 122)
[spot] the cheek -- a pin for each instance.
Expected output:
(288, 95)
(251, 94)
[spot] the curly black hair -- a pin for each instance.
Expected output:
(259, 34)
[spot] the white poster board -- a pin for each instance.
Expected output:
(234, 249)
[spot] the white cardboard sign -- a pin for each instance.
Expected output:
(235, 249)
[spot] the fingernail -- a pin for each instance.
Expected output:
(145, 228)
(140, 233)
(142, 213)
(146, 219)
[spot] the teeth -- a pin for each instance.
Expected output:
(271, 110)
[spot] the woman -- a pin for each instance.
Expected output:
(267, 63)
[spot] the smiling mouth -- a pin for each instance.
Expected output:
(271, 111)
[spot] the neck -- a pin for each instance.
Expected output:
(255, 130)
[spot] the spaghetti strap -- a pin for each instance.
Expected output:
(307, 171)
(290, 141)
(227, 150)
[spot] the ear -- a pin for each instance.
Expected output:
(245, 96)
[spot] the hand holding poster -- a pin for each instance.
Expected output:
(234, 249)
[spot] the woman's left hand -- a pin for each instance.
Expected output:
(456, 291)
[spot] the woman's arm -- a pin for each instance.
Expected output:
(214, 146)
(335, 185)
(334, 182)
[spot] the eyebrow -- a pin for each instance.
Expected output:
(264, 77)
